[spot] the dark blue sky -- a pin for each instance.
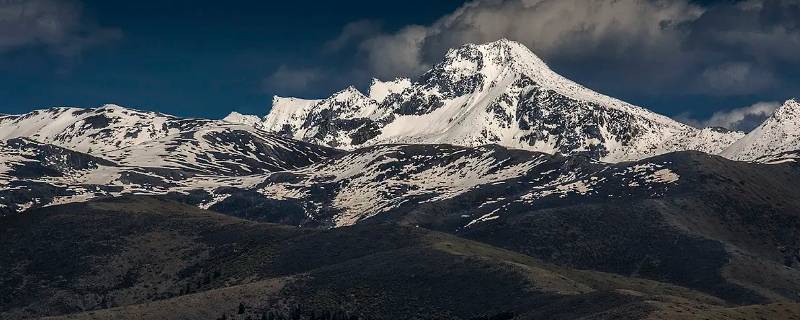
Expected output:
(191, 58)
(207, 58)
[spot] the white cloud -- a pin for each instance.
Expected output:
(740, 119)
(58, 25)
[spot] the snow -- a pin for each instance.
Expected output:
(238, 118)
(95, 130)
(708, 140)
(489, 112)
(362, 195)
(379, 90)
(181, 155)
(287, 111)
(579, 186)
(649, 174)
(663, 176)
(238, 151)
(768, 142)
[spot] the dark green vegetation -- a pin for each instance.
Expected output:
(138, 257)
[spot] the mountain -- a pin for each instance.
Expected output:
(488, 188)
(712, 140)
(198, 156)
(378, 180)
(685, 218)
(156, 259)
(98, 130)
(775, 140)
(727, 216)
(223, 150)
(495, 93)
(528, 202)
(235, 117)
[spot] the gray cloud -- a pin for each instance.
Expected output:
(735, 78)
(291, 80)
(763, 30)
(741, 119)
(353, 32)
(57, 25)
(638, 46)
(399, 54)
(568, 31)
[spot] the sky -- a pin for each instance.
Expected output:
(706, 63)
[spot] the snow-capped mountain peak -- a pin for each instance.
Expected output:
(493, 56)
(775, 140)
(509, 58)
(235, 117)
(500, 93)
(790, 110)
(105, 128)
(349, 99)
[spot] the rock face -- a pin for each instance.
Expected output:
(775, 140)
(495, 93)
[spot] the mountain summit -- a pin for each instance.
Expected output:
(775, 140)
(500, 93)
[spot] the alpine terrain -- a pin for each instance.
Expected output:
(495, 93)
(775, 140)
(489, 187)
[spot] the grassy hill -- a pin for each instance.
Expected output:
(145, 258)
(726, 228)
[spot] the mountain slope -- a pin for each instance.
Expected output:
(98, 130)
(222, 150)
(686, 218)
(730, 217)
(196, 160)
(775, 140)
(159, 259)
(498, 92)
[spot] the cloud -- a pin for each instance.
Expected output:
(291, 79)
(353, 32)
(567, 27)
(56, 25)
(571, 31)
(635, 46)
(763, 30)
(735, 78)
(395, 55)
(741, 119)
